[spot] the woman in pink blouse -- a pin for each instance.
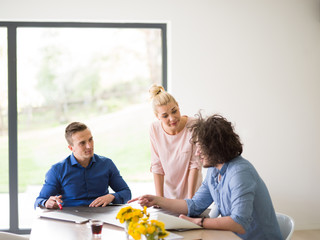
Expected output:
(176, 169)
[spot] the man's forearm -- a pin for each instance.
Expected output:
(122, 197)
(173, 205)
(223, 223)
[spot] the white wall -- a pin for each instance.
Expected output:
(257, 62)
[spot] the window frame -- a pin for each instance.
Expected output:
(12, 95)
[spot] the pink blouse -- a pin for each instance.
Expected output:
(172, 156)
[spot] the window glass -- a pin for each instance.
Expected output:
(97, 76)
(4, 168)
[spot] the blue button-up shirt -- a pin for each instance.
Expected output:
(79, 186)
(241, 194)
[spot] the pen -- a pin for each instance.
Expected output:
(59, 204)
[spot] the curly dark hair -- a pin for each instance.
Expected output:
(216, 137)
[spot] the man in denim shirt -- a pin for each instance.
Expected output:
(232, 183)
(83, 178)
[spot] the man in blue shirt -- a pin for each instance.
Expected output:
(83, 178)
(232, 183)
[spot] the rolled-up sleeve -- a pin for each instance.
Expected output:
(200, 201)
(156, 166)
(242, 190)
(195, 161)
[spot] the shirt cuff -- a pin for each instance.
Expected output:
(115, 200)
(42, 203)
(245, 223)
(157, 170)
(190, 205)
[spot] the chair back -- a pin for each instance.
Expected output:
(12, 236)
(286, 224)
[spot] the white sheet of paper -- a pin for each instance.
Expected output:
(173, 222)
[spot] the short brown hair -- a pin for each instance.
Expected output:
(73, 128)
(217, 140)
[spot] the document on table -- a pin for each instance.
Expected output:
(172, 222)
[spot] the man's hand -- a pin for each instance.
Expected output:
(102, 201)
(194, 220)
(52, 202)
(172, 205)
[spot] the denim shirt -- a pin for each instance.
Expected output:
(241, 194)
(79, 186)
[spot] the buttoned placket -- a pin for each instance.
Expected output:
(218, 184)
(86, 170)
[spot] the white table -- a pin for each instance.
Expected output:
(46, 228)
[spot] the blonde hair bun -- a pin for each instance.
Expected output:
(160, 97)
(155, 90)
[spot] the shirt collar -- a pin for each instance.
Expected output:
(223, 169)
(75, 162)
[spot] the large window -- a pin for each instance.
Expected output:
(95, 73)
(4, 166)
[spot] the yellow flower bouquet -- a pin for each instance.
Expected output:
(151, 230)
(139, 226)
(129, 214)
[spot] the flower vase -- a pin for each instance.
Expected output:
(126, 229)
(150, 237)
(153, 236)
